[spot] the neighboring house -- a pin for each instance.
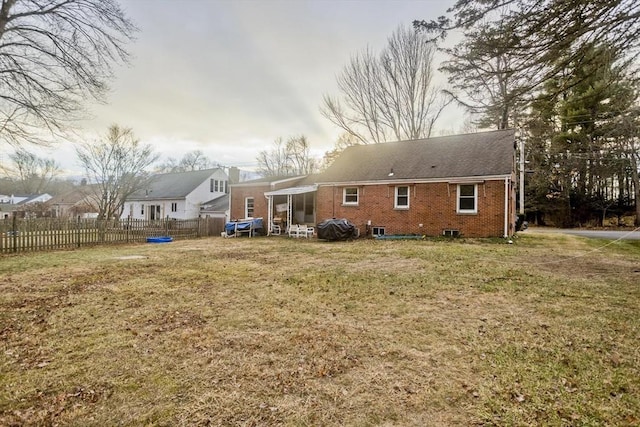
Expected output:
(459, 184)
(25, 199)
(177, 195)
(20, 203)
(77, 202)
(216, 208)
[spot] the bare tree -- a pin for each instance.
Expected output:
(273, 162)
(191, 161)
(54, 54)
(31, 173)
(344, 140)
(117, 165)
(390, 96)
(299, 156)
(291, 157)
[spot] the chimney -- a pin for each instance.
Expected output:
(234, 175)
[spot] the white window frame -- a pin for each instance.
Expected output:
(344, 196)
(475, 199)
(380, 231)
(174, 206)
(246, 207)
(399, 206)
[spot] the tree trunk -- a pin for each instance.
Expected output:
(636, 184)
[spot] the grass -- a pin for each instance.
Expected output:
(273, 331)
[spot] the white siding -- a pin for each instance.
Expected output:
(187, 208)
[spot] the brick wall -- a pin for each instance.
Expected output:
(433, 205)
(260, 203)
(238, 195)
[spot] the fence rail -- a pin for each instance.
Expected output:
(40, 234)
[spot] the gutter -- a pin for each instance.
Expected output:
(456, 180)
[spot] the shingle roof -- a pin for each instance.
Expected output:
(172, 185)
(219, 204)
(74, 196)
(29, 199)
(469, 155)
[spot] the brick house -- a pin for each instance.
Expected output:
(459, 184)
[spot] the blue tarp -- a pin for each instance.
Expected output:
(252, 225)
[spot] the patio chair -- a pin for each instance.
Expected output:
(294, 230)
(309, 232)
(275, 229)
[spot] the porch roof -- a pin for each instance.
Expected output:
(293, 190)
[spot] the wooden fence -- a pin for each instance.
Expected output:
(39, 234)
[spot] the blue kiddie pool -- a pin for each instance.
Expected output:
(159, 239)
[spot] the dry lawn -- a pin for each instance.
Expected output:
(273, 331)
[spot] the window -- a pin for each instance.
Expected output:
(402, 197)
(154, 212)
(248, 207)
(377, 231)
(467, 198)
(141, 209)
(174, 207)
(217, 186)
(350, 196)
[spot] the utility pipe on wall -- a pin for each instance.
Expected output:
(506, 207)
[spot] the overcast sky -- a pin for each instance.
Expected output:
(229, 77)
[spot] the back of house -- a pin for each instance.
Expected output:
(452, 185)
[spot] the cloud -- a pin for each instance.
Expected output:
(229, 77)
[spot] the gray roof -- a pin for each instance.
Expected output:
(172, 185)
(219, 204)
(469, 155)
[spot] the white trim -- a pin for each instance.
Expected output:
(266, 183)
(395, 197)
(292, 190)
(293, 178)
(475, 199)
(456, 180)
(246, 207)
(344, 196)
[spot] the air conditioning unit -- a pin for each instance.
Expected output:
(451, 233)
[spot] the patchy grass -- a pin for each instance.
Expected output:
(272, 331)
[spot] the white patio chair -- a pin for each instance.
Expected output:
(294, 230)
(309, 232)
(275, 229)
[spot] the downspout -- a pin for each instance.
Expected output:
(506, 207)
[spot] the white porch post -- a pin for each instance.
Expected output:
(289, 209)
(269, 215)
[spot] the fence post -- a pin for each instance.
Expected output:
(128, 227)
(78, 231)
(14, 231)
